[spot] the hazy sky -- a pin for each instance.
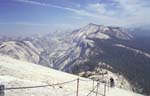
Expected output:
(40, 16)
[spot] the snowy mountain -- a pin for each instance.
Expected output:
(35, 48)
(90, 51)
(20, 50)
(81, 43)
(101, 31)
(15, 73)
(106, 47)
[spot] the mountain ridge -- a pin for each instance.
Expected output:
(90, 47)
(82, 51)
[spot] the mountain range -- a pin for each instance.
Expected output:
(88, 51)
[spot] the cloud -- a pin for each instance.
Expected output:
(23, 23)
(40, 4)
(124, 11)
(101, 9)
(132, 6)
(136, 11)
(80, 12)
(97, 7)
(50, 5)
(117, 12)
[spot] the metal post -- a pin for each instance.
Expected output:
(108, 85)
(2, 90)
(97, 89)
(93, 84)
(105, 89)
(77, 94)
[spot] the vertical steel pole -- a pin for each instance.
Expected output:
(108, 85)
(105, 89)
(77, 94)
(93, 84)
(97, 89)
(2, 90)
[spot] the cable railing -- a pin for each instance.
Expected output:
(77, 92)
(40, 85)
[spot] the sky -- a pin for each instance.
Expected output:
(19, 17)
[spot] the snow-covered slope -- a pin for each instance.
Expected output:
(20, 50)
(81, 43)
(14, 73)
(134, 50)
(93, 44)
(101, 32)
(83, 51)
(35, 48)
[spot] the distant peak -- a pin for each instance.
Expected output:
(92, 24)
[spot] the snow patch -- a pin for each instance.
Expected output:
(135, 50)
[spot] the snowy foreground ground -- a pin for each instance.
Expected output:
(15, 73)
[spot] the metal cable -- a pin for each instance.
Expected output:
(85, 80)
(40, 85)
(91, 91)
